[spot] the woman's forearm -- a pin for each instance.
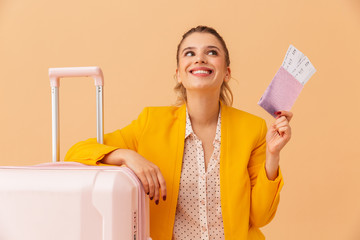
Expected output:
(116, 157)
(272, 165)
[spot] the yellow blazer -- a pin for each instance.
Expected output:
(248, 198)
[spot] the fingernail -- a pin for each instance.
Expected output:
(164, 198)
(147, 193)
(157, 202)
(278, 112)
(151, 198)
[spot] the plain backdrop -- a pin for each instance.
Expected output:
(134, 42)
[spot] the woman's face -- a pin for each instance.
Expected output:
(202, 65)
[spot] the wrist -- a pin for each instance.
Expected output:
(272, 165)
(272, 152)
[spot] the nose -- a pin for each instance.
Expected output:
(200, 58)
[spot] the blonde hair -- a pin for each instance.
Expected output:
(226, 95)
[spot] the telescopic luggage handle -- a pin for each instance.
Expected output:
(55, 74)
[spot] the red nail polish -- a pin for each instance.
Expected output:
(151, 198)
(278, 112)
(164, 198)
(157, 202)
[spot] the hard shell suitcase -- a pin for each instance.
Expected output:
(72, 201)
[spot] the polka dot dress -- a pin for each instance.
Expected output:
(198, 211)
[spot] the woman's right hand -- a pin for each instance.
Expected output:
(148, 173)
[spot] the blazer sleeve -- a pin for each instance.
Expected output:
(90, 152)
(265, 193)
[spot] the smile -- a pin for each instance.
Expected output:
(202, 71)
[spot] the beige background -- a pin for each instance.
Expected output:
(134, 42)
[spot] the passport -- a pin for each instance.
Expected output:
(288, 82)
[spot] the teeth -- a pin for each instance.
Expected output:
(201, 71)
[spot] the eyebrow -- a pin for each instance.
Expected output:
(188, 48)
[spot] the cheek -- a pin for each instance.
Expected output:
(182, 67)
(220, 63)
(222, 67)
(180, 73)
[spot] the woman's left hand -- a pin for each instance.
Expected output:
(279, 133)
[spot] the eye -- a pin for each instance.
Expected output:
(189, 53)
(212, 52)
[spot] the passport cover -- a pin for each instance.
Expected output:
(281, 93)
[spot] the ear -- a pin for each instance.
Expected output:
(228, 74)
(177, 74)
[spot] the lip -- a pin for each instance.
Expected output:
(201, 68)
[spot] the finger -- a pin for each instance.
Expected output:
(276, 126)
(144, 182)
(287, 114)
(280, 119)
(162, 185)
(273, 127)
(151, 185)
(156, 183)
(284, 130)
(282, 124)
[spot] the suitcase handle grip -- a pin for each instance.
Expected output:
(56, 73)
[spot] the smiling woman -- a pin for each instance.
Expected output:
(226, 95)
(215, 167)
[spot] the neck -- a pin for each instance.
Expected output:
(203, 110)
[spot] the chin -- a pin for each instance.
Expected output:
(202, 87)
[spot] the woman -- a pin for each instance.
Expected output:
(215, 167)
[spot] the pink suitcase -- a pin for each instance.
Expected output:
(72, 201)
